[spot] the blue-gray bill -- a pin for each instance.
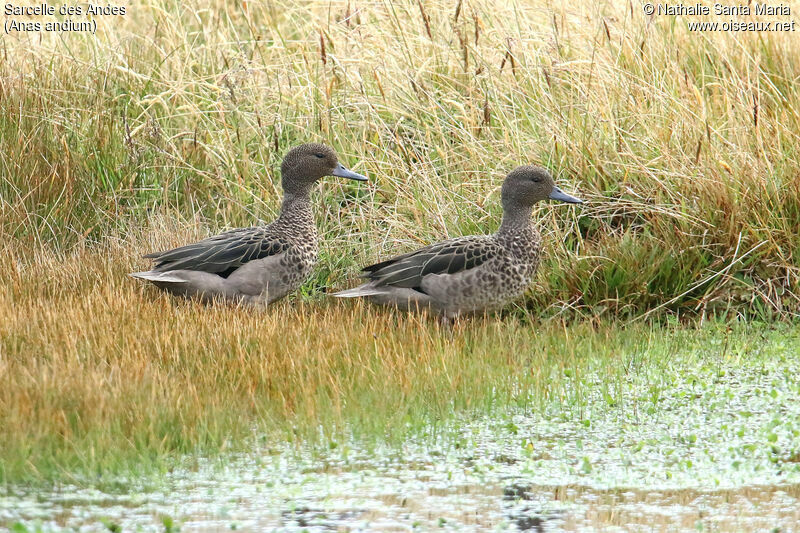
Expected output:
(561, 196)
(343, 172)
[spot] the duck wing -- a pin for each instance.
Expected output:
(223, 253)
(447, 257)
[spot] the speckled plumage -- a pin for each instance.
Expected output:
(469, 274)
(261, 264)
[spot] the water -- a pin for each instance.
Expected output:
(706, 445)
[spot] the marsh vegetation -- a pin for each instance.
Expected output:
(170, 123)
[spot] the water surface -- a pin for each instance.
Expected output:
(702, 444)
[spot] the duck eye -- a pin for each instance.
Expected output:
(321, 156)
(537, 179)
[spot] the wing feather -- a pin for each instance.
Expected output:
(221, 254)
(448, 257)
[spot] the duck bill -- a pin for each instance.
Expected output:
(561, 196)
(343, 172)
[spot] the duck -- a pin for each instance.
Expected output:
(260, 264)
(472, 274)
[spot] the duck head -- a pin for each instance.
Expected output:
(305, 164)
(528, 184)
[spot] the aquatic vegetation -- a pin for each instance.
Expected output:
(718, 451)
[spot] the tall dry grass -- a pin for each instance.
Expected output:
(684, 144)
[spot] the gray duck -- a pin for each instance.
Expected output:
(260, 264)
(471, 274)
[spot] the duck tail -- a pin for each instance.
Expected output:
(160, 277)
(361, 290)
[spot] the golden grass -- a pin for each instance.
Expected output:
(685, 144)
(97, 368)
(100, 373)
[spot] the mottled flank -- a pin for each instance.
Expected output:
(261, 264)
(470, 274)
